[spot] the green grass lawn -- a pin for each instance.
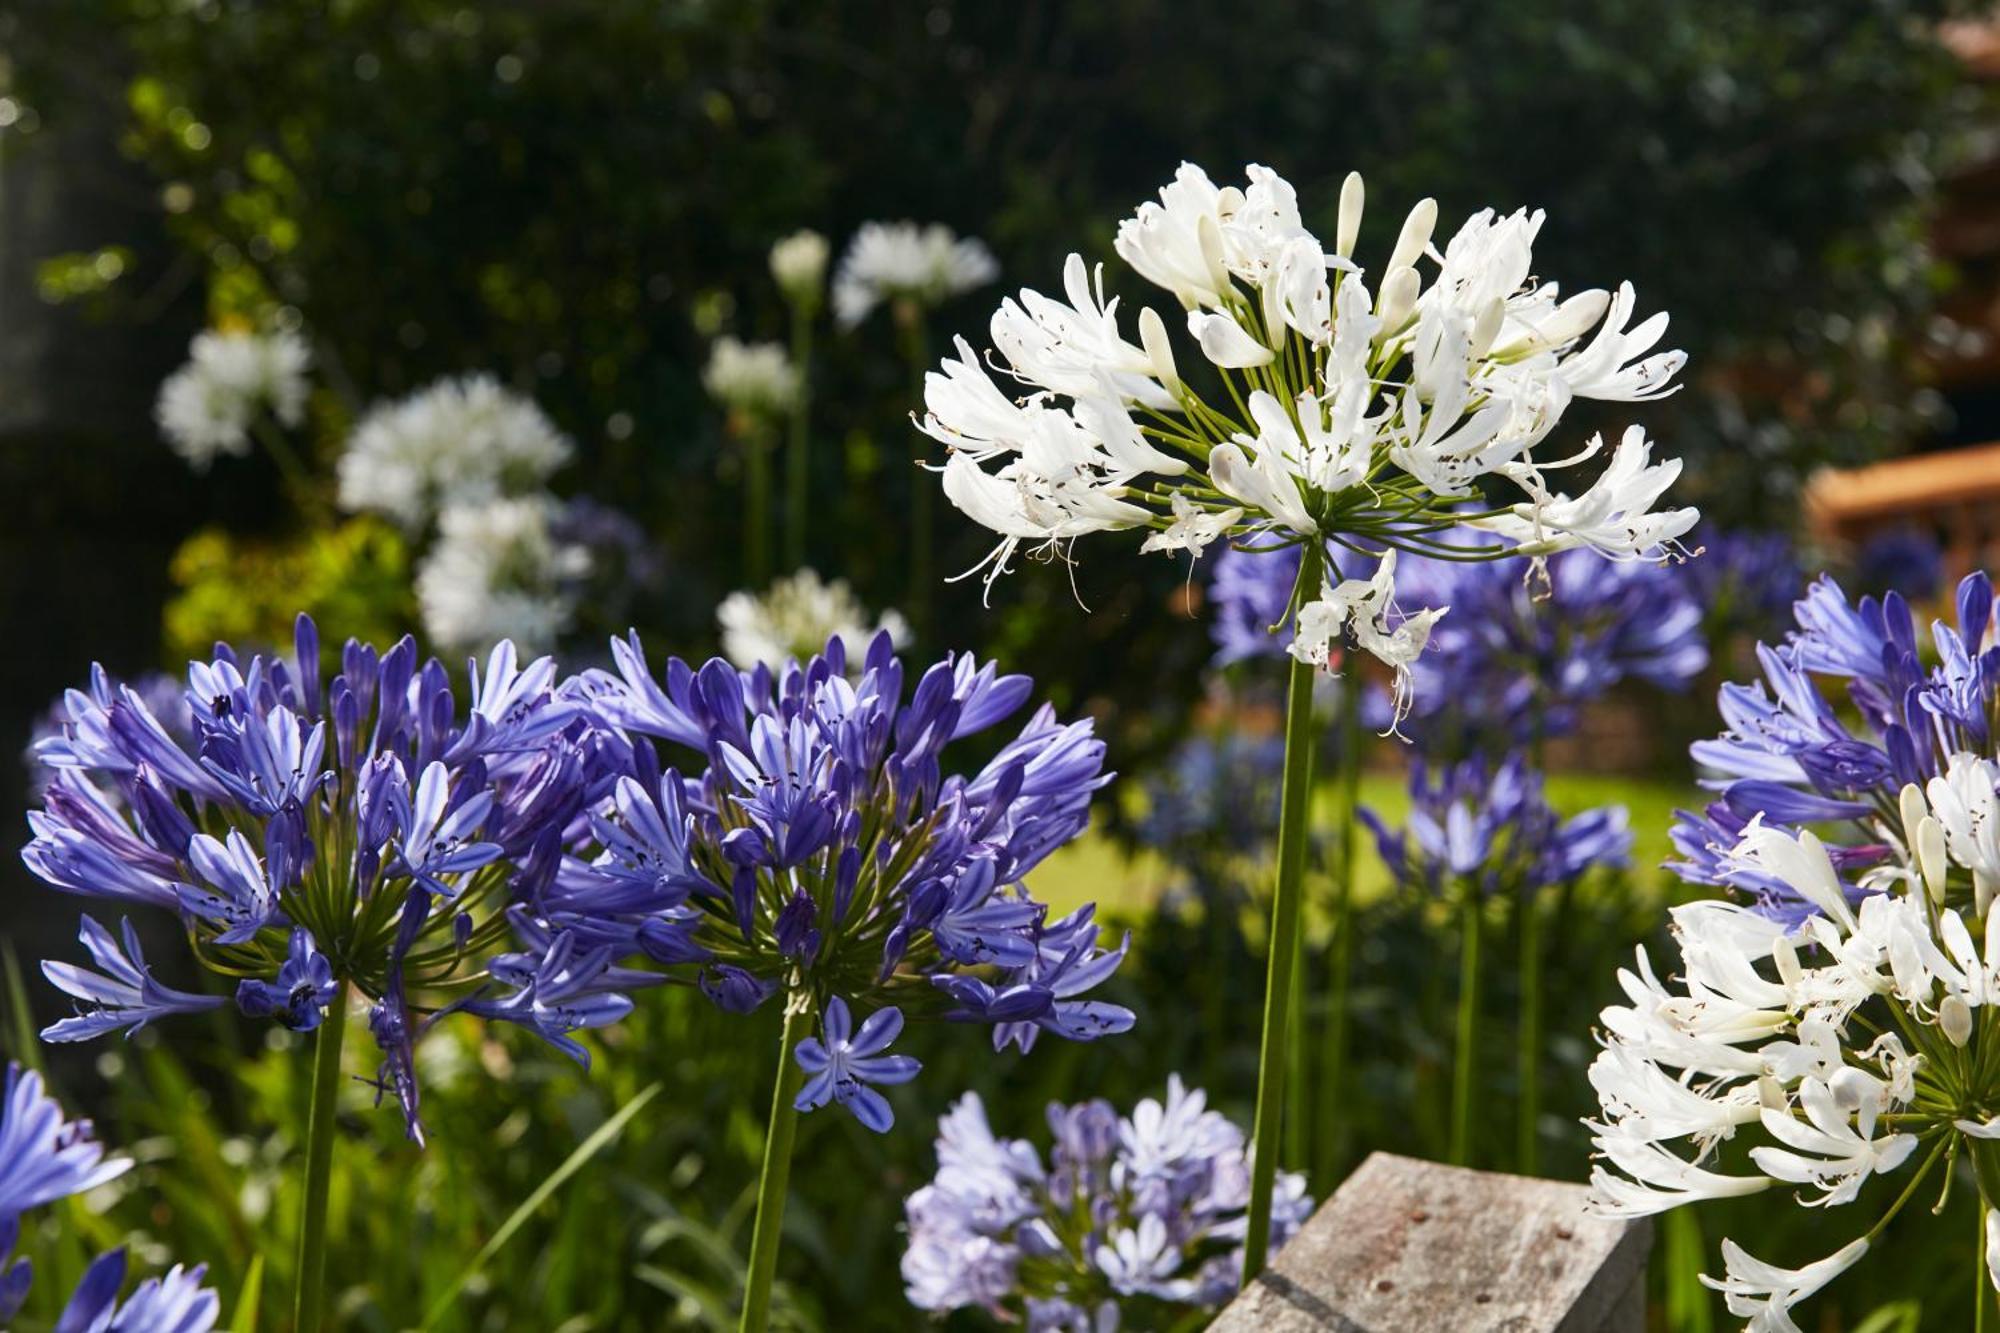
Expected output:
(1096, 869)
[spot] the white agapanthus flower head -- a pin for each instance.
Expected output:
(798, 265)
(1815, 1057)
(456, 443)
(1366, 408)
(757, 379)
(208, 406)
(497, 571)
(902, 261)
(793, 619)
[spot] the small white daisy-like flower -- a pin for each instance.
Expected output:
(458, 442)
(795, 617)
(901, 261)
(207, 407)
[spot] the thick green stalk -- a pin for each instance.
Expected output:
(309, 1294)
(775, 1178)
(1529, 1054)
(1466, 1045)
(1348, 797)
(1295, 810)
(798, 453)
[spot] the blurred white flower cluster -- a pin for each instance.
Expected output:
(209, 406)
(497, 571)
(798, 266)
(472, 458)
(756, 379)
(458, 442)
(902, 261)
(1840, 1048)
(793, 619)
(1363, 411)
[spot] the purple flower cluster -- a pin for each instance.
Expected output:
(1472, 823)
(1129, 1221)
(315, 832)
(1789, 754)
(1743, 581)
(1521, 652)
(821, 851)
(45, 1157)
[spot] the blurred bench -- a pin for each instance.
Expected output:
(1414, 1247)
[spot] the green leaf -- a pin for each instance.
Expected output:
(247, 1299)
(575, 1162)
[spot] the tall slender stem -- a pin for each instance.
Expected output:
(1295, 809)
(1348, 800)
(291, 469)
(1466, 1045)
(309, 1295)
(798, 452)
(1528, 1066)
(1980, 1300)
(757, 504)
(776, 1174)
(916, 351)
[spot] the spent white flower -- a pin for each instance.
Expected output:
(1766, 1293)
(497, 571)
(794, 619)
(798, 265)
(902, 261)
(755, 378)
(455, 443)
(208, 406)
(1368, 411)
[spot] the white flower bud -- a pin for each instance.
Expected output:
(1352, 197)
(1955, 1017)
(798, 263)
(1159, 351)
(1226, 343)
(1930, 848)
(1415, 236)
(1910, 801)
(1787, 959)
(1487, 327)
(1397, 297)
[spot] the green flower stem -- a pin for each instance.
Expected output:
(291, 469)
(775, 1177)
(797, 452)
(757, 504)
(1980, 1301)
(309, 1295)
(1466, 1045)
(1529, 1054)
(1284, 949)
(1347, 794)
(916, 351)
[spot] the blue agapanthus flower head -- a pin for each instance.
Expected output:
(1491, 827)
(1523, 648)
(1906, 560)
(1252, 593)
(45, 1156)
(369, 828)
(1130, 1221)
(802, 833)
(1795, 752)
(1743, 580)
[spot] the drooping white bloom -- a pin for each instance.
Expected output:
(1765, 1293)
(901, 261)
(798, 265)
(1363, 406)
(756, 378)
(1366, 609)
(496, 571)
(456, 443)
(795, 617)
(207, 407)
